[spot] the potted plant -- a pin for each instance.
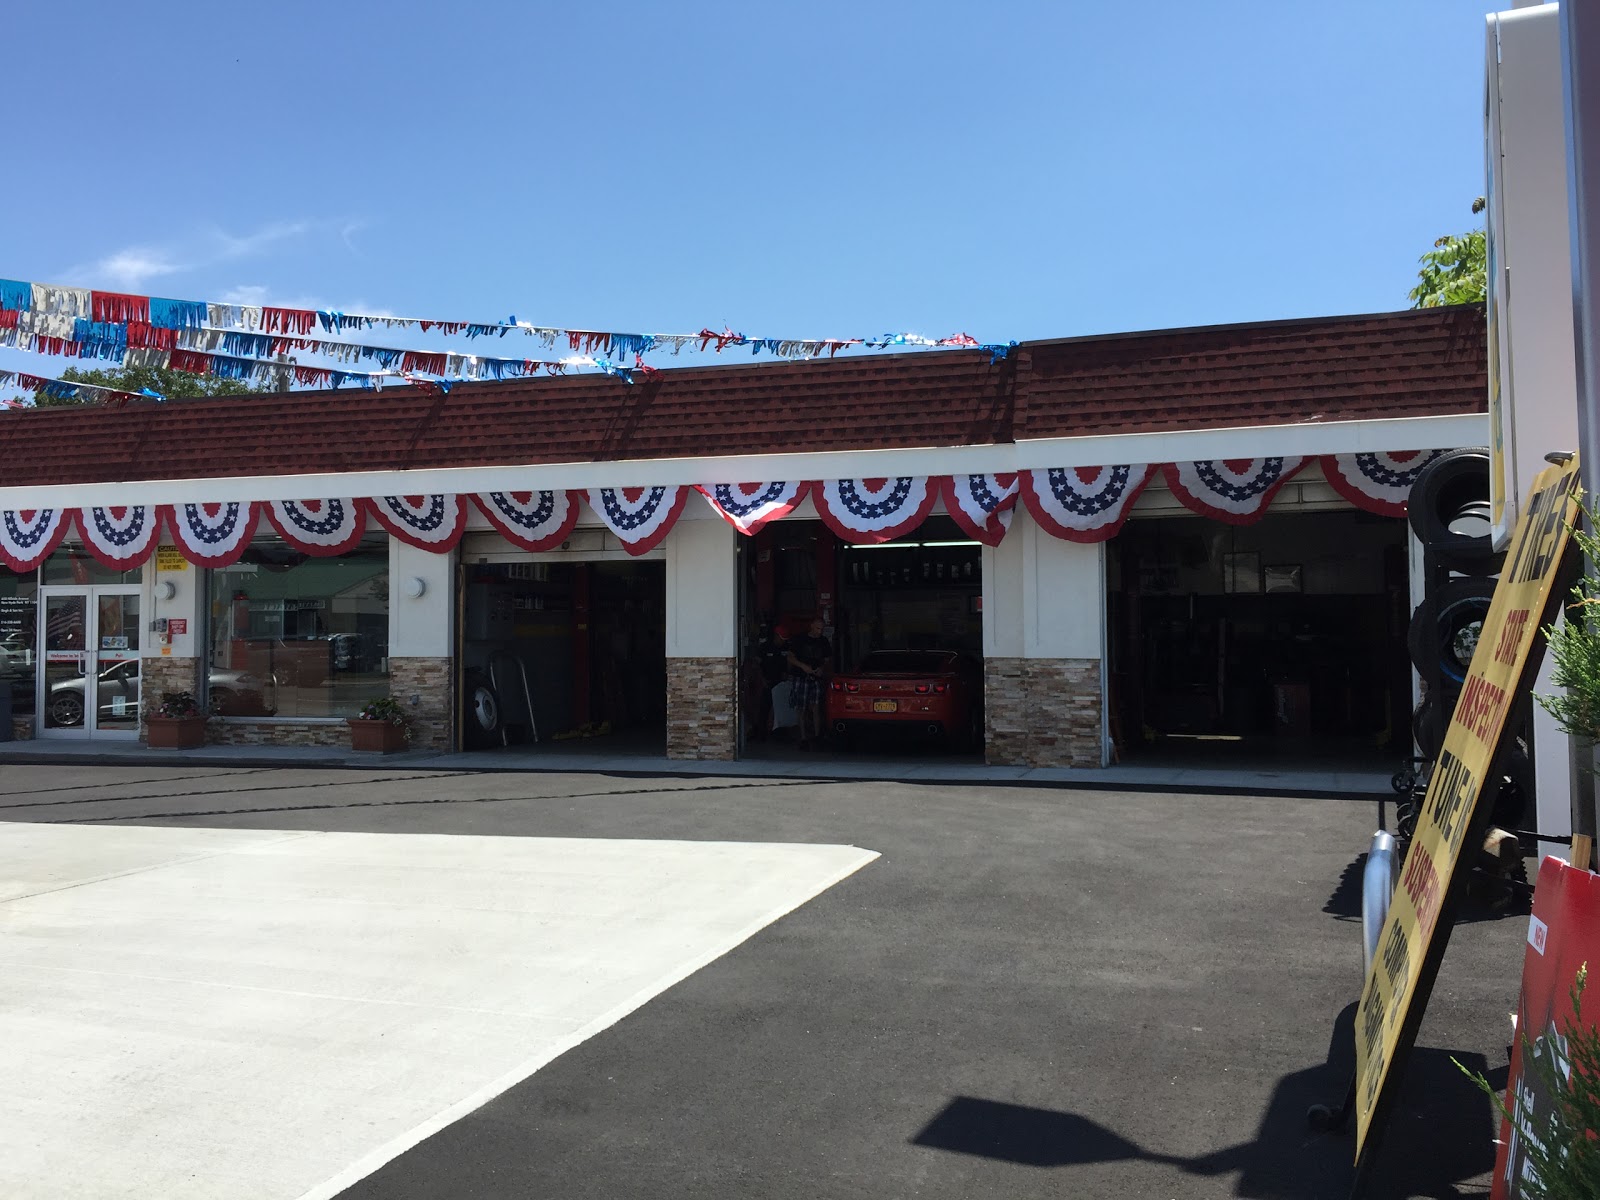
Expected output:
(177, 724)
(381, 727)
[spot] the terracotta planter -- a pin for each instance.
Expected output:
(377, 737)
(175, 733)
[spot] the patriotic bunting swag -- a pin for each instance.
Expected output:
(1080, 504)
(532, 520)
(1234, 490)
(1377, 482)
(427, 522)
(981, 504)
(27, 536)
(321, 528)
(865, 511)
(641, 517)
(1084, 504)
(120, 537)
(211, 535)
(749, 506)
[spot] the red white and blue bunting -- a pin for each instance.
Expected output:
(640, 517)
(28, 536)
(1084, 504)
(1234, 490)
(532, 520)
(212, 535)
(320, 528)
(1080, 504)
(867, 511)
(749, 506)
(1378, 482)
(427, 522)
(120, 537)
(981, 504)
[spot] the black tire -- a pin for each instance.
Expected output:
(1450, 512)
(65, 710)
(483, 715)
(1460, 609)
(224, 703)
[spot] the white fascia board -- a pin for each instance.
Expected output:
(1334, 437)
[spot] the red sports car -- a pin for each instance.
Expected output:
(938, 692)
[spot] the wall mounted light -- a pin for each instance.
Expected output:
(166, 590)
(416, 587)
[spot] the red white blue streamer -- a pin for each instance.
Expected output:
(120, 537)
(749, 506)
(427, 522)
(1378, 482)
(640, 517)
(868, 511)
(212, 535)
(320, 528)
(1084, 504)
(1234, 490)
(533, 520)
(981, 504)
(28, 536)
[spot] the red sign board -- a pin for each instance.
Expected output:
(1563, 934)
(177, 625)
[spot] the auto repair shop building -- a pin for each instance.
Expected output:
(1143, 537)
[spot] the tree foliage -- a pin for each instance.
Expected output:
(162, 380)
(1455, 271)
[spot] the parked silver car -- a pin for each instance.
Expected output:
(117, 688)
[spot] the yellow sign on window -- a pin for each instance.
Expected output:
(170, 558)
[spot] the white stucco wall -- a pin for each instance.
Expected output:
(1043, 597)
(188, 603)
(421, 626)
(702, 590)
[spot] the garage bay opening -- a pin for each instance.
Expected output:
(898, 641)
(569, 655)
(1282, 639)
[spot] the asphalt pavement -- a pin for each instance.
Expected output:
(1032, 992)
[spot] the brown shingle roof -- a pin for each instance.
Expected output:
(1346, 368)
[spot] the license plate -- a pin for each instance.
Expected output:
(886, 706)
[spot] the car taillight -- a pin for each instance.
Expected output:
(922, 689)
(941, 688)
(836, 686)
(852, 686)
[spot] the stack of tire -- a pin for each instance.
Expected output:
(1450, 512)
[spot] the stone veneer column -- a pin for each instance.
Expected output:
(426, 687)
(163, 674)
(702, 638)
(1043, 633)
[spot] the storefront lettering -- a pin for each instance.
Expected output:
(1480, 707)
(1511, 637)
(1421, 883)
(1457, 789)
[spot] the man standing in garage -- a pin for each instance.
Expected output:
(809, 656)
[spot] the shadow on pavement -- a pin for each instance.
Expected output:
(1440, 1134)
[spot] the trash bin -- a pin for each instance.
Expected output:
(5, 710)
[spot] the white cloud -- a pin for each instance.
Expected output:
(130, 269)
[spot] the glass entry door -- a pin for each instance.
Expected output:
(89, 649)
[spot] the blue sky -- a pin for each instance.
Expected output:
(1014, 171)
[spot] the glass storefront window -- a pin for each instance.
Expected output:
(295, 636)
(72, 564)
(19, 615)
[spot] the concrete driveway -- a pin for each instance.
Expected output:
(1030, 992)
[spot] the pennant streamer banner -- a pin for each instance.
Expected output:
(640, 517)
(749, 506)
(212, 535)
(321, 528)
(867, 511)
(533, 520)
(981, 504)
(1234, 490)
(428, 522)
(120, 538)
(1084, 504)
(1377, 482)
(1079, 504)
(233, 340)
(28, 536)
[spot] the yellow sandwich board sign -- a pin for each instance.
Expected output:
(1413, 937)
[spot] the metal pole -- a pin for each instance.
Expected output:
(1580, 78)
